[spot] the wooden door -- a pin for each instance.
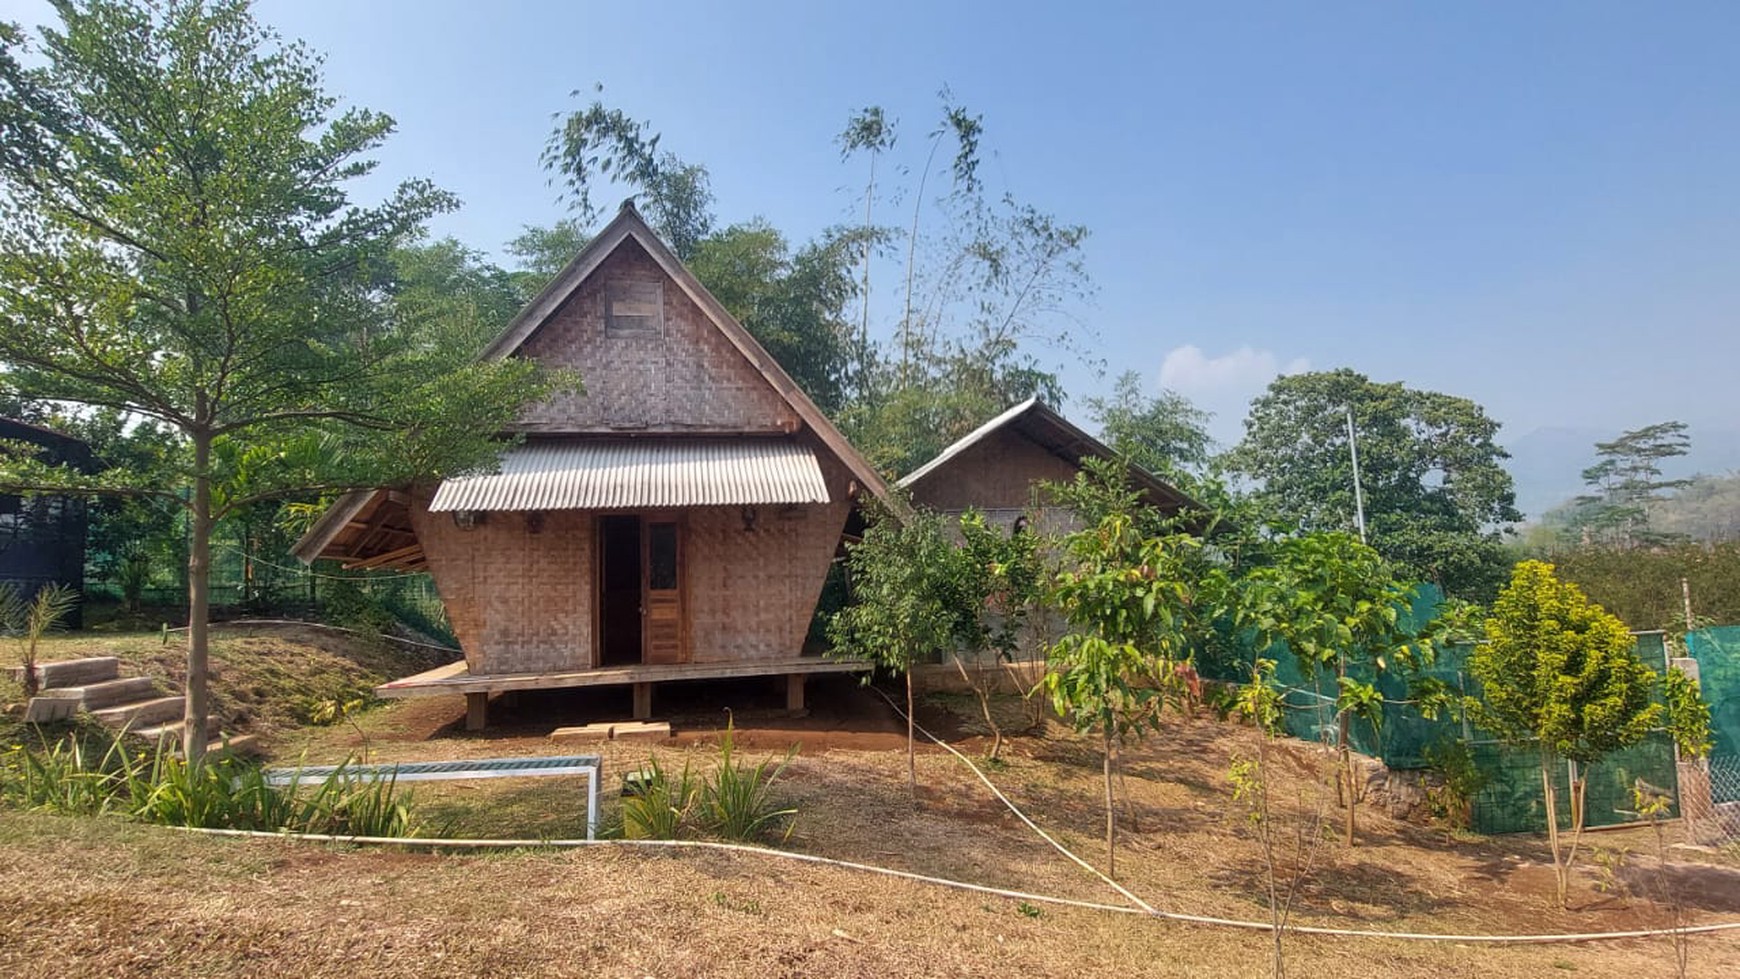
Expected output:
(664, 633)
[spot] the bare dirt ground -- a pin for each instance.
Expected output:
(101, 897)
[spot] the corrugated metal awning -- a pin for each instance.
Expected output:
(608, 474)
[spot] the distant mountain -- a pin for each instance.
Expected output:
(1547, 463)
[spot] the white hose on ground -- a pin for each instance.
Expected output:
(1047, 837)
(1195, 919)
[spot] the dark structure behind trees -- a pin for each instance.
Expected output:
(42, 538)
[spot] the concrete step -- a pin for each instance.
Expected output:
(72, 672)
(142, 713)
(244, 745)
(108, 693)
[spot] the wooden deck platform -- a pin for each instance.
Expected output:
(457, 678)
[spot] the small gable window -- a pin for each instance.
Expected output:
(634, 309)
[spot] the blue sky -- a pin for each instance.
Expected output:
(1533, 205)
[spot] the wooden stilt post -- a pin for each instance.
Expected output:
(794, 692)
(643, 701)
(476, 711)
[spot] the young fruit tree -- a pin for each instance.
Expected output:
(1132, 604)
(177, 244)
(1333, 601)
(1560, 676)
(904, 601)
(999, 581)
(1290, 842)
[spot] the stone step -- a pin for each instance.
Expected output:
(144, 713)
(244, 745)
(108, 693)
(614, 731)
(72, 672)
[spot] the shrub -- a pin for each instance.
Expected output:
(222, 792)
(737, 802)
(660, 809)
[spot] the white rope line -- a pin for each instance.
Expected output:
(1196, 919)
(1047, 837)
(1263, 926)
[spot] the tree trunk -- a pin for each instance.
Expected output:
(864, 331)
(982, 689)
(1111, 817)
(1344, 734)
(193, 732)
(911, 761)
(1560, 873)
(1345, 731)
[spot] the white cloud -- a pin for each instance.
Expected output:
(1225, 385)
(1243, 372)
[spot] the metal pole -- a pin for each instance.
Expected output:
(1686, 596)
(1358, 494)
(592, 802)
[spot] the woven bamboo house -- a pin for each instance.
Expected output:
(676, 521)
(1001, 468)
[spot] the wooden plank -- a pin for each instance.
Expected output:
(387, 558)
(642, 701)
(476, 711)
(794, 692)
(455, 677)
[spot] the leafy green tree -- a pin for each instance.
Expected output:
(1559, 675)
(544, 251)
(1337, 606)
(1626, 484)
(1165, 435)
(179, 246)
(871, 132)
(793, 303)
(1436, 491)
(999, 586)
(904, 607)
(600, 143)
(1135, 608)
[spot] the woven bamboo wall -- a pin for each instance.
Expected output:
(752, 593)
(519, 601)
(690, 379)
(1000, 472)
(522, 602)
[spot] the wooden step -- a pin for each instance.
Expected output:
(109, 693)
(144, 713)
(72, 672)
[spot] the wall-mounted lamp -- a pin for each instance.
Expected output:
(749, 515)
(468, 519)
(534, 521)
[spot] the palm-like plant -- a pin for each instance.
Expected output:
(27, 620)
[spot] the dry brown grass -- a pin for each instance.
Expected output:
(128, 900)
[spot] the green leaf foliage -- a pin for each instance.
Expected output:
(903, 606)
(1687, 714)
(179, 247)
(1134, 605)
(1435, 487)
(1558, 671)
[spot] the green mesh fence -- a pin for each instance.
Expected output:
(1402, 735)
(1717, 651)
(1512, 800)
